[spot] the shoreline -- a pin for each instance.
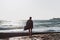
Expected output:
(9, 35)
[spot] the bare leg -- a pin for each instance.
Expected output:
(30, 32)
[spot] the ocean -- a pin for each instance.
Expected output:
(38, 26)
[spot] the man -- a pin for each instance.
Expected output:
(29, 26)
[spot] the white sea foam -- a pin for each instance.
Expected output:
(38, 26)
(42, 29)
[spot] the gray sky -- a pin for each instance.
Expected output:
(23, 9)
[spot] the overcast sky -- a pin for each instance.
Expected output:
(23, 9)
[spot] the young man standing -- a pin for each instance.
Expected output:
(29, 26)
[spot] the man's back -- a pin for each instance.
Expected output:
(29, 24)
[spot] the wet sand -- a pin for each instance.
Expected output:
(35, 36)
(53, 36)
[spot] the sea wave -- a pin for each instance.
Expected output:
(38, 26)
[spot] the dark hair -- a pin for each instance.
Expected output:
(30, 17)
